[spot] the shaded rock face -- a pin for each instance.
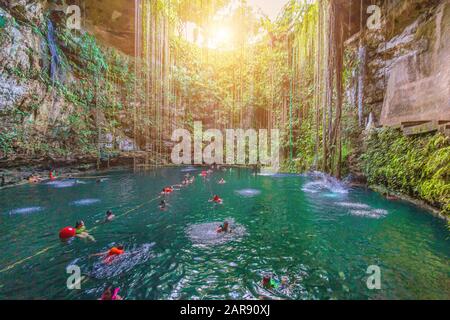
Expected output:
(23, 53)
(34, 114)
(25, 10)
(419, 80)
(112, 22)
(407, 65)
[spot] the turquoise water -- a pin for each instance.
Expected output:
(323, 240)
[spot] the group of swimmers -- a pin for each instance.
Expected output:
(36, 179)
(108, 256)
(268, 282)
(187, 180)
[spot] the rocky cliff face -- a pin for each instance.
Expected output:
(60, 92)
(407, 63)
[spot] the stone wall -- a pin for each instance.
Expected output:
(407, 66)
(35, 115)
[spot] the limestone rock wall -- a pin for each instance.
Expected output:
(34, 115)
(407, 66)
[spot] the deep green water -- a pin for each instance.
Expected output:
(313, 238)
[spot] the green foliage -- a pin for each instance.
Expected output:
(417, 166)
(7, 138)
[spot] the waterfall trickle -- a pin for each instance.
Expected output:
(54, 60)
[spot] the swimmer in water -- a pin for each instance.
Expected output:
(163, 205)
(224, 228)
(216, 199)
(51, 175)
(284, 285)
(81, 232)
(167, 190)
(34, 179)
(110, 294)
(268, 282)
(109, 216)
(111, 254)
(222, 181)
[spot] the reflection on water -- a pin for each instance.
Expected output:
(248, 193)
(26, 210)
(85, 202)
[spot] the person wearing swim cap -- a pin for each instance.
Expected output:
(110, 294)
(81, 232)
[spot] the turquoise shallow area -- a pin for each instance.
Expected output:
(321, 241)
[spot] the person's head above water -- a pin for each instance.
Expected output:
(79, 224)
(266, 280)
(109, 213)
(107, 294)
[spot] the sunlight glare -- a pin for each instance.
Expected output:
(221, 38)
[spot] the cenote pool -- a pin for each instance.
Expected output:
(311, 230)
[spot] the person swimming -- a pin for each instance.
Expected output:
(34, 179)
(222, 181)
(109, 216)
(163, 205)
(224, 228)
(167, 190)
(51, 175)
(111, 254)
(110, 294)
(216, 199)
(268, 282)
(284, 285)
(81, 232)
